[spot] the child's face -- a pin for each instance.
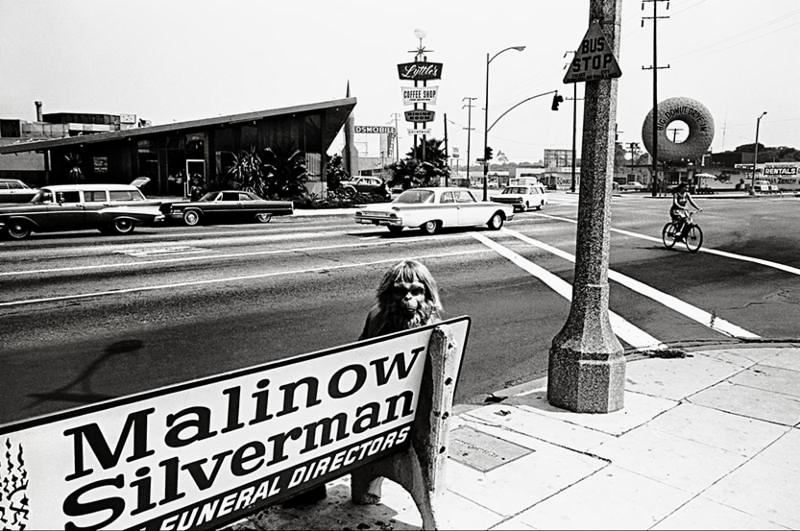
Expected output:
(409, 295)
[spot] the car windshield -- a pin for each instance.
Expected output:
(42, 196)
(415, 196)
(210, 196)
(514, 190)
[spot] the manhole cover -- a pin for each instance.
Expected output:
(482, 451)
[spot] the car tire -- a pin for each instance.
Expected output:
(394, 229)
(430, 227)
(496, 221)
(527, 207)
(263, 217)
(18, 230)
(540, 206)
(349, 192)
(191, 217)
(122, 226)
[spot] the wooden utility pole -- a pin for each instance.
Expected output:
(655, 68)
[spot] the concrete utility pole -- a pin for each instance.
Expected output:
(586, 370)
(469, 128)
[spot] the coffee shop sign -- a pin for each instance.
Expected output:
(419, 71)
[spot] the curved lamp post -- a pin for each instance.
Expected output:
(486, 118)
(755, 155)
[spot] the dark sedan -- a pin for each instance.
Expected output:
(230, 205)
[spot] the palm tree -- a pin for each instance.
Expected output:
(74, 161)
(247, 171)
(335, 172)
(411, 171)
(285, 172)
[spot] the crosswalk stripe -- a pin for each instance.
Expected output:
(692, 312)
(625, 330)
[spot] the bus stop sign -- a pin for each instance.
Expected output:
(594, 59)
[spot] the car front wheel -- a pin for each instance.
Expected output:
(263, 217)
(18, 230)
(430, 227)
(191, 217)
(394, 229)
(496, 221)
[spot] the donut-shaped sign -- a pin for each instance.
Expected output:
(689, 111)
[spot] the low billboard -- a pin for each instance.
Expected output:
(210, 451)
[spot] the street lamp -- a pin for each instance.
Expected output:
(755, 155)
(486, 120)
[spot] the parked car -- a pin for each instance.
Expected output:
(523, 198)
(15, 191)
(110, 208)
(232, 205)
(763, 186)
(367, 185)
(432, 208)
(633, 186)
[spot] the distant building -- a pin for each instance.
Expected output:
(118, 149)
(557, 157)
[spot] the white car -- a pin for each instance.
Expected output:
(633, 186)
(523, 198)
(432, 208)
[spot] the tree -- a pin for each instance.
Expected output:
(335, 172)
(411, 171)
(619, 156)
(74, 161)
(285, 172)
(247, 171)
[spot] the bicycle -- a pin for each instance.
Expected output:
(691, 234)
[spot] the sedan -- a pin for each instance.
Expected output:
(227, 205)
(367, 185)
(15, 191)
(633, 186)
(432, 208)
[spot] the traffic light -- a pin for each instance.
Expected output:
(556, 100)
(487, 155)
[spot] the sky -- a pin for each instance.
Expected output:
(177, 60)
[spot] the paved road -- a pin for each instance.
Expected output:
(84, 317)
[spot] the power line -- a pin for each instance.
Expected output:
(740, 38)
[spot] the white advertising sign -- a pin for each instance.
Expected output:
(412, 95)
(420, 131)
(209, 451)
(374, 129)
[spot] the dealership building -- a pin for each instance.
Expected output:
(121, 148)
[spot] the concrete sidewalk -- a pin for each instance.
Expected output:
(706, 441)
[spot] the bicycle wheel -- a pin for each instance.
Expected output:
(694, 238)
(668, 235)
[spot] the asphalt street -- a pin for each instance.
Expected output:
(85, 317)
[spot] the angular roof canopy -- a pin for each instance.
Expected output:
(336, 111)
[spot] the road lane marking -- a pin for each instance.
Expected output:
(726, 254)
(624, 329)
(692, 312)
(164, 261)
(168, 249)
(228, 279)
